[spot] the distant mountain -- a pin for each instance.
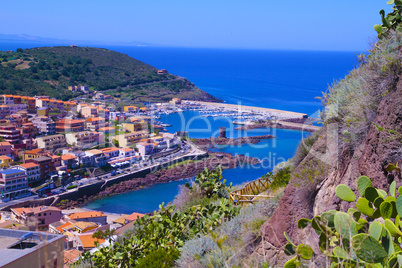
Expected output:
(54, 41)
(50, 70)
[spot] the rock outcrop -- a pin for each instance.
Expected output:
(312, 187)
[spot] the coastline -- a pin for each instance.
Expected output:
(272, 112)
(175, 173)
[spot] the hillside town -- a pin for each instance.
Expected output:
(49, 147)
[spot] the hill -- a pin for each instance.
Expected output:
(50, 70)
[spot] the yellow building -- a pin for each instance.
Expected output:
(135, 126)
(5, 161)
(130, 109)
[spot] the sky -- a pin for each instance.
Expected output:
(343, 25)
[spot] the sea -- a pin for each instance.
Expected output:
(278, 79)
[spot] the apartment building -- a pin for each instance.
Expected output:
(5, 148)
(89, 111)
(10, 134)
(135, 126)
(13, 183)
(45, 125)
(32, 170)
(51, 142)
(95, 123)
(83, 139)
(6, 99)
(30, 102)
(69, 160)
(88, 216)
(46, 166)
(99, 158)
(4, 111)
(69, 125)
(130, 109)
(30, 249)
(128, 140)
(36, 218)
(145, 148)
(5, 161)
(111, 152)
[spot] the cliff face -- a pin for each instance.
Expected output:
(331, 162)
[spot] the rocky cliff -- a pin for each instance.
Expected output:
(344, 151)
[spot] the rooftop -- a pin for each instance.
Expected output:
(86, 214)
(11, 171)
(10, 238)
(89, 242)
(29, 165)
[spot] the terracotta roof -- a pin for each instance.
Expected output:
(109, 150)
(95, 119)
(5, 143)
(121, 220)
(106, 128)
(34, 151)
(69, 121)
(35, 210)
(134, 216)
(126, 149)
(29, 165)
(71, 255)
(4, 157)
(88, 241)
(83, 225)
(66, 157)
(124, 228)
(95, 151)
(60, 228)
(86, 214)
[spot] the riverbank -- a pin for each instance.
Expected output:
(213, 142)
(175, 173)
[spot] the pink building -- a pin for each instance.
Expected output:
(37, 218)
(5, 148)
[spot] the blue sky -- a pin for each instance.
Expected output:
(258, 24)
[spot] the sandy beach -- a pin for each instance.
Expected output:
(272, 112)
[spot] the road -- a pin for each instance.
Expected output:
(188, 149)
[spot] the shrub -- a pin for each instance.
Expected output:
(71, 187)
(161, 258)
(365, 235)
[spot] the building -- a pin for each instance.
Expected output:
(5, 148)
(175, 101)
(13, 184)
(32, 170)
(6, 99)
(95, 123)
(10, 134)
(128, 140)
(83, 139)
(69, 125)
(106, 130)
(135, 126)
(51, 142)
(130, 109)
(30, 102)
(126, 152)
(46, 126)
(84, 89)
(28, 130)
(15, 108)
(36, 218)
(46, 166)
(5, 161)
(111, 152)
(88, 216)
(86, 242)
(35, 153)
(4, 111)
(89, 111)
(145, 148)
(42, 111)
(162, 71)
(30, 249)
(69, 160)
(99, 158)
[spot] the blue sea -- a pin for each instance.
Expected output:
(287, 80)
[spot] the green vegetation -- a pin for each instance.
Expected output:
(367, 234)
(166, 231)
(50, 70)
(392, 21)
(71, 187)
